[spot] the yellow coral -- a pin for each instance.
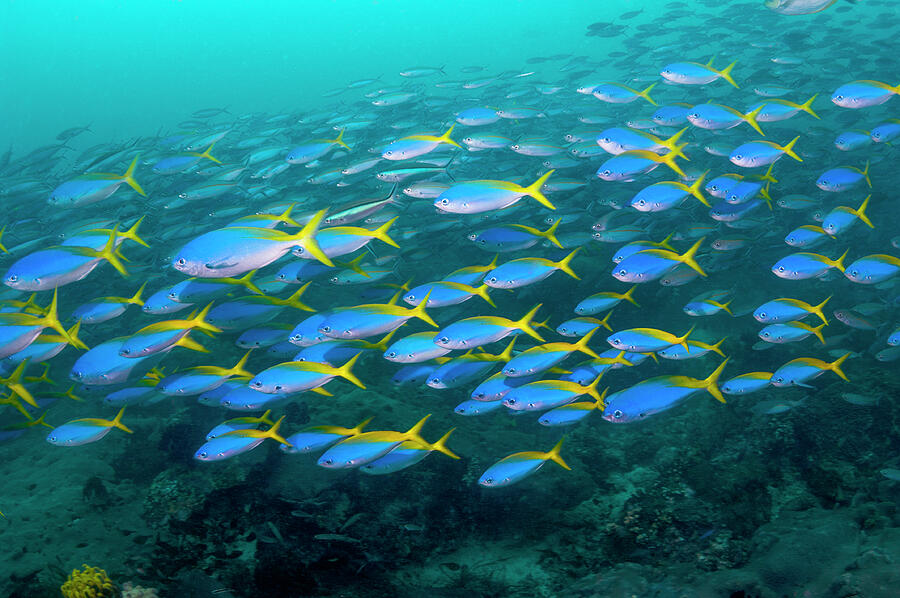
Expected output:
(91, 582)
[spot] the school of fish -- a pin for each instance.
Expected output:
(515, 240)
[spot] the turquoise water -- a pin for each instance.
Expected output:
(659, 246)
(124, 67)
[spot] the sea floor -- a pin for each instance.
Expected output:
(711, 500)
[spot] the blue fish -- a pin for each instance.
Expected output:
(518, 466)
(86, 430)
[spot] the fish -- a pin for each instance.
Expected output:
(798, 371)
(367, 447)
(518, 466)
(82, 431)
(655, 395)
(236, 442)
(692, 73)
(475, 197)
(316, 438)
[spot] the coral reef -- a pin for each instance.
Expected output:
(88, 582)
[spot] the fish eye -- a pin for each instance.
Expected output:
(616, 341)
(492, 279)
(258, 384)
(325, 329)
(618, 413)
(125, 351)
(623, 272)
(738, 157)
(444, 339)
(854, 273)
(278, 388)
(445, 202)
(607, 172)
(781, 268)
(12, 278)
(180, 261)
(392, 354)
(203, 455)
(762, 314)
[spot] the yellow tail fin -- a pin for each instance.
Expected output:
(340, 140)
(807, 106)
(306, 238)
(789, 149)
(209, 156)
(51, 320)
(688, 257)
(582, 347)
(865, 173)
(682, 340)
(246, 282)
(817, 331)
(187, 342)
(750, 119)
(723, 306)
(646, 94)
(817, 309)
(550, 233)
(419, 311)
(415, 432)
(128, 177)
(861, 212)
(136, 298)
(15, 384)
(274, 435)
(669, 159)
(628, 295)
(717, 348)
(534, 190)
(725, 73)
(711, 383)
(238, 369)
(108, 253)
(380, 233)
(525, 324)
(132, 233)
(294, 299)
(672, 144)
(591, 389)
(117, 422)
(563, 264)
(345, 373)
(839, 263)
(359, 427)
(554, 455)
(199, 321)
(73, 340)
(445, 138)
(835, 366)
(441, 445)
(605, 321)
(696, 189)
